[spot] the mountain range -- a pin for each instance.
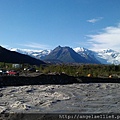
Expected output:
(70, 55)
(8, 56)
(105, 56)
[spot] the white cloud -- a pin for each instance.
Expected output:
(5, 46)
(109, 38)
(94, 20)
(34, 45)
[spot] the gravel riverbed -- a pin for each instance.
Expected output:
(73, 98)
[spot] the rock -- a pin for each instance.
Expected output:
(2, 109)
(1, 94)
(20, 105)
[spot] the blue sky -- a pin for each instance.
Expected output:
(45, 24)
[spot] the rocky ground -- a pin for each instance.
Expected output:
(72, 98)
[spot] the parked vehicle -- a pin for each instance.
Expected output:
(0, 72)
(3, 72)
(31, 69)
(13, 73)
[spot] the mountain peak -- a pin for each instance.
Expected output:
(80, 49)
(15, 57)
(108, 50)
(104, 56)
(59, 46)
(66, 55)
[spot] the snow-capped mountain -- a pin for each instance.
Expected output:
(84, 52)
(8, 56)
(68, 55)
(106, 56)
(88, 54)
(39, 54)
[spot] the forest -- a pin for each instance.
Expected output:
(95, 70)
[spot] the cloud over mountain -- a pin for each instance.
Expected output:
(109, 38)
(35, 45)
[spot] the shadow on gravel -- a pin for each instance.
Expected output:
(38, 80)
(60, 79)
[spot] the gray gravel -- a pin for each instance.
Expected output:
(82, 98)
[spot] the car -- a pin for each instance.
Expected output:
(3, 72)
(31, 69)
(13, 73)
(0, 72)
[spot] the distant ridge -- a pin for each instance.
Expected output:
(15, 57)
(104, 56)
(67, 55)
(87, 54)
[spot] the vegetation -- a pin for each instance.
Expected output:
(83, 70)
(96, 70)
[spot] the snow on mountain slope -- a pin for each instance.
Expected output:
(88, 54)
(68, 55)
(84, 52)
(39, 54)
(106, 56)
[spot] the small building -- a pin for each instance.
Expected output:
(16, 65)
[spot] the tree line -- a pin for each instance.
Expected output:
(96, 70)
(83, 70)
